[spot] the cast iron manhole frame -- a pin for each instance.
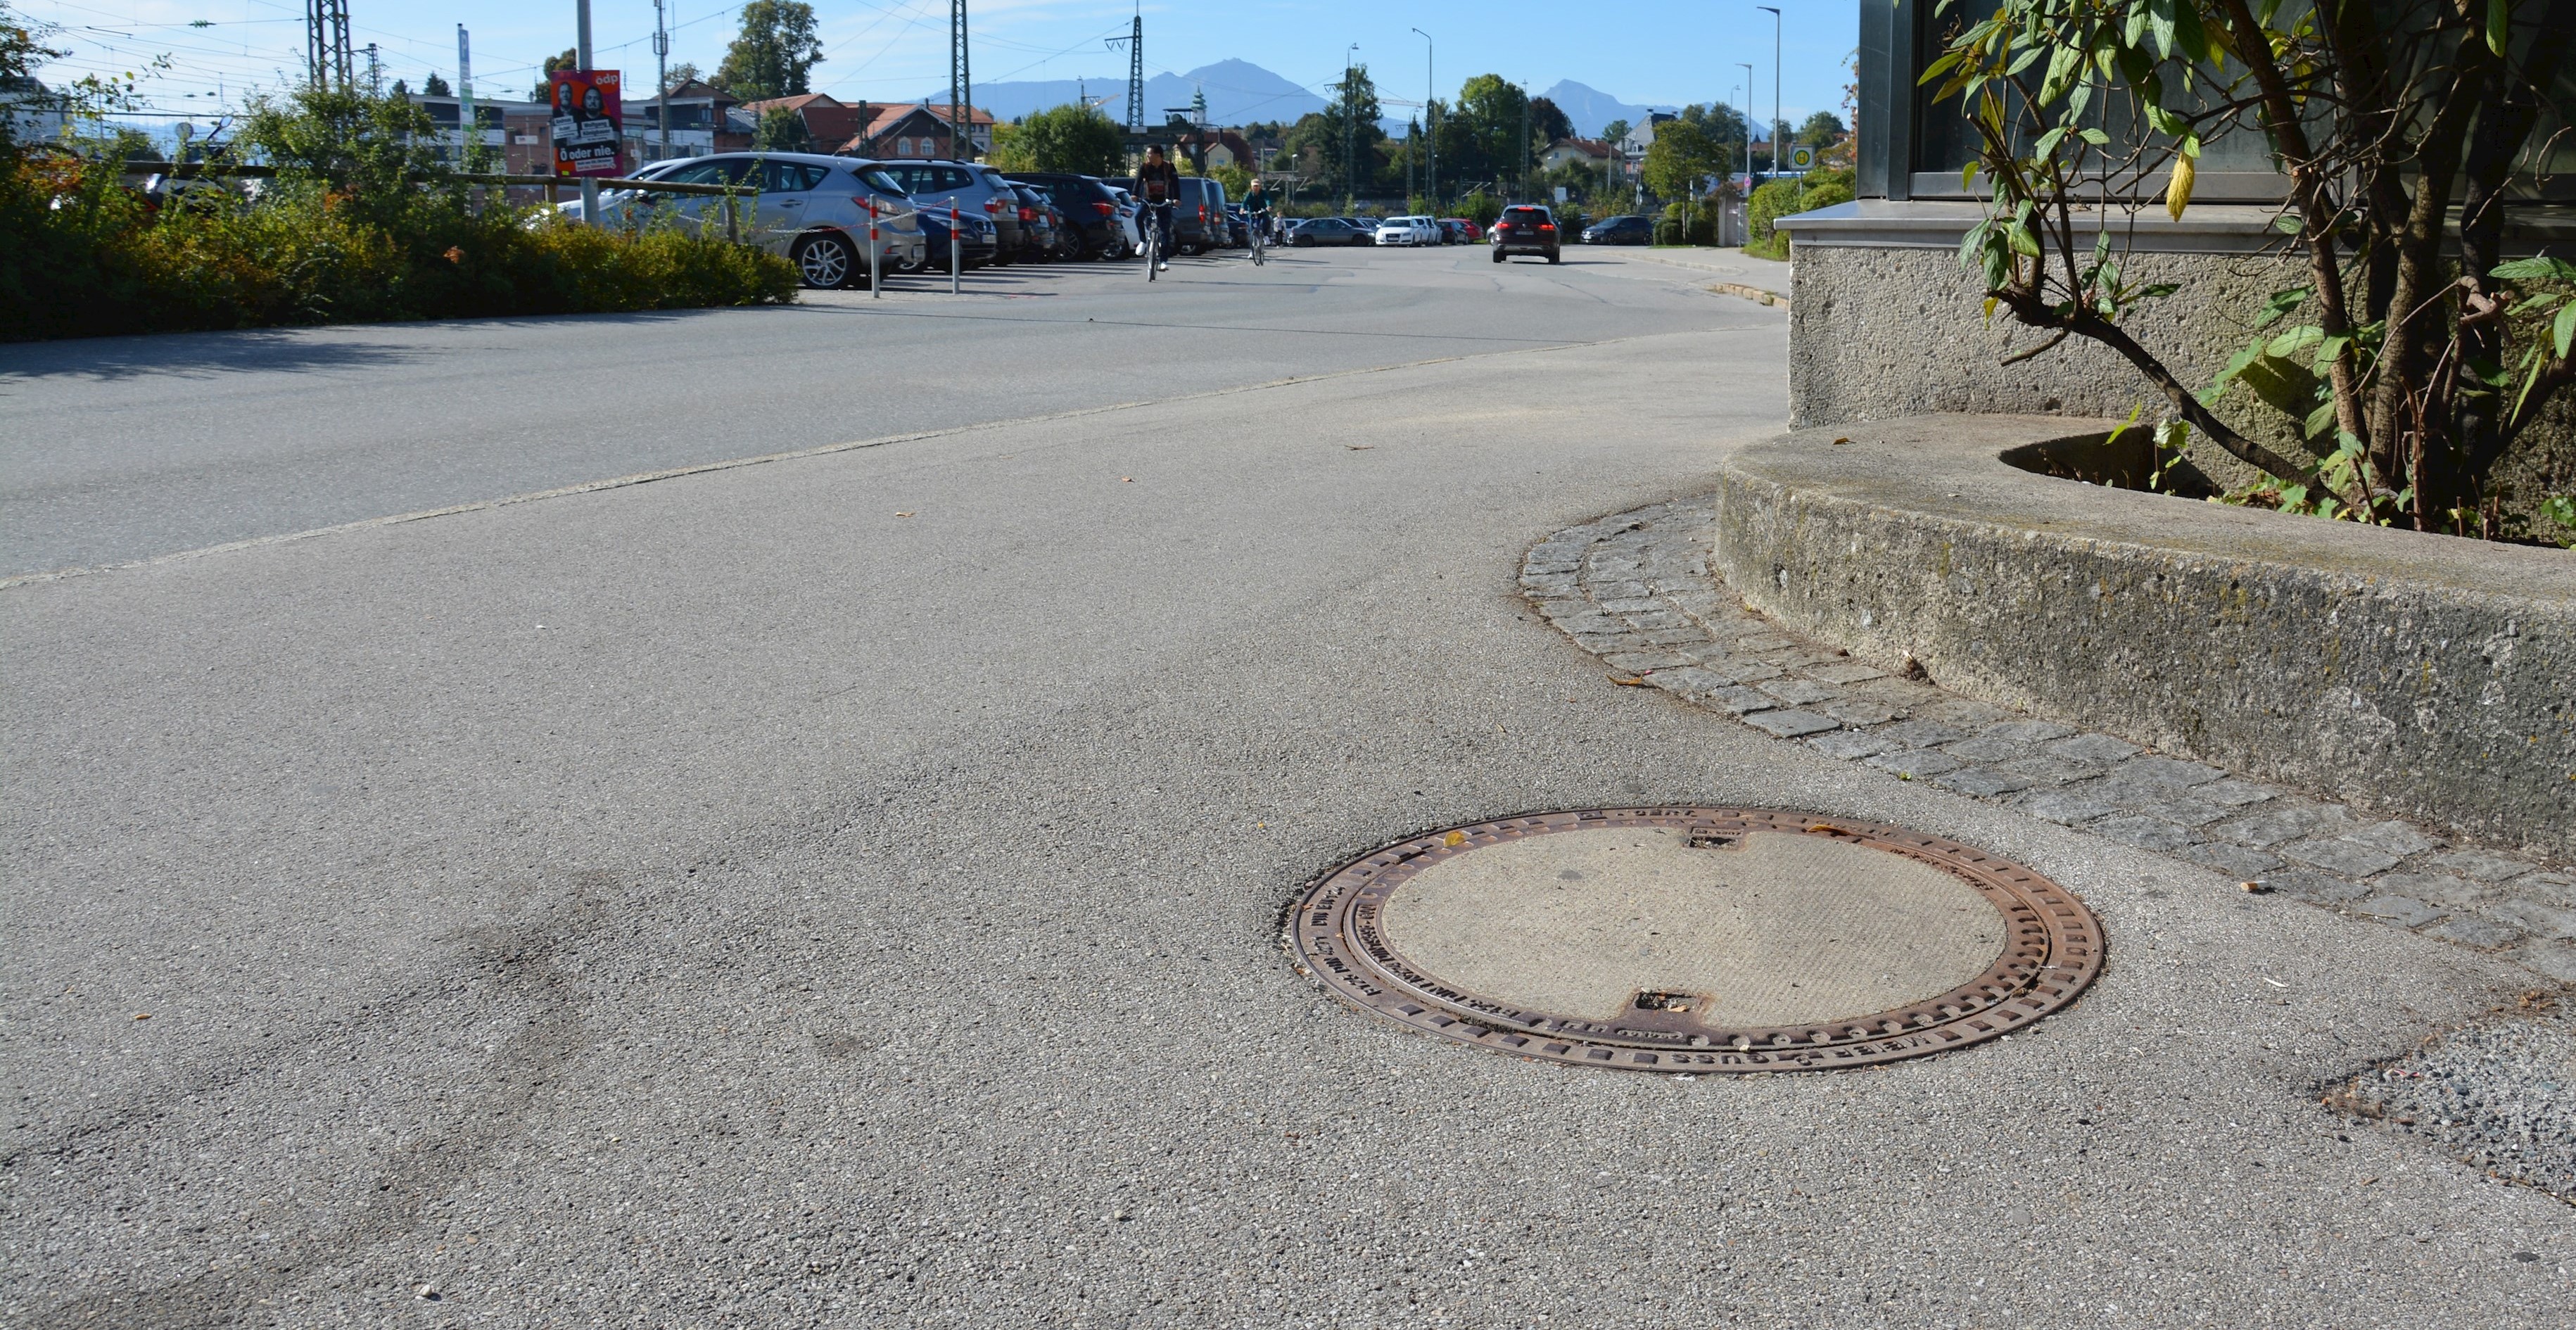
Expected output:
(2054, 950)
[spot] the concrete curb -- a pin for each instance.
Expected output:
(2418, 676)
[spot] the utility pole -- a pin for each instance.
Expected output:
(1430, 123)
(1523, 165)
(662, 76)
(581, 54)
(961, 89)
(1350, 135)
(465, 120)
(1775, 89)
(1136, 73)
(326, 44)
(375, 72)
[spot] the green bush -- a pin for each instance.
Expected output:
(1691, 224)
(358, 226)
(1781, 198)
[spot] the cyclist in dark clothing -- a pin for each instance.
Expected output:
(1159, 185)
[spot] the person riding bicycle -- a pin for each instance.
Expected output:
(1256, 209)
(1159, 186)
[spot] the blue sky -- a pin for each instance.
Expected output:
(897, 49)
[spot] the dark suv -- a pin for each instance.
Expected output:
(1526, 228)
(1090, 211)
(1630, 230)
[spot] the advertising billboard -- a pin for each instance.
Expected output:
(588, 117)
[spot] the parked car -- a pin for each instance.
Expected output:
(1090, 228)
(971, 185)
(979, 238)
(1327, 231)
(1127, 232)
(1526, 228)
(1407, 231)
(812, 208)
(1238, 227)
(1629, 230)
(1198, 219)
(1461, 230)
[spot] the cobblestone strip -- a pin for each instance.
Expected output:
(1636, 590)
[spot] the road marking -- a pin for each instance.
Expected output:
(763, 459)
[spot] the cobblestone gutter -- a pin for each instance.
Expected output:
(2424, 677)
(1637, 590)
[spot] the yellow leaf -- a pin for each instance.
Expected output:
(2178, 191)
(1454, 839)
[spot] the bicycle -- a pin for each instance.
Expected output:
(1153, 250)
(1260, 229)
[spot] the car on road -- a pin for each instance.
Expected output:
(1090, 228)
(1526, 228)
(814, 209)
(1461, 230)
(1407, 231)
(1628, 230)
(1328, 231)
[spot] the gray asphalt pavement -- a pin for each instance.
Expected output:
(845, 891)
(124, 448)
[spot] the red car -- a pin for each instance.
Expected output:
(1460, 231)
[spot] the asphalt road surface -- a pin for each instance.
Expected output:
(845, 890)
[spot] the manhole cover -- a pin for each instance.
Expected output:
(1698, 939)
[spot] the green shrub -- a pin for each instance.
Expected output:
(1687, 224)
(360, 224)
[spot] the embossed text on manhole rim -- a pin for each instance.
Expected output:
(2051, 950)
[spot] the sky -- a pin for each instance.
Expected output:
(890, 50)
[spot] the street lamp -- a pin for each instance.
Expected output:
(1775, 91)
(1430, 127)
(1747, 67)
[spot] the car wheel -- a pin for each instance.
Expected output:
(1498, 256)
(1552, 256)
(826, 262)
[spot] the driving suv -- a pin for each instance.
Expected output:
(1526, 228)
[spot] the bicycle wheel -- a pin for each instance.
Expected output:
(1153, 251)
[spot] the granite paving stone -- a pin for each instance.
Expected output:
(1922, 734)
(1848, 744)
(2188, 811)
(1991, 748)
(2553, 922)
(2277, 823)
(2470, 931)
(1791, 724)
(2396, 838)
(1797, 692)
(1851, 712)
(2233, 793)
(2349, 857)
(2554, 959)
(2048, 769)
(1742, 701)
(2403, 911)
(1633, 661)
(2166, 771)
(2439, 888)
(2027, 731)
(2062, 807)
(2478, 865)
(1983, 782)
(2150, 833)
(1915, 763)
(1848, 672)
(2310, 884)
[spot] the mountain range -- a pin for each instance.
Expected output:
(1240, 92)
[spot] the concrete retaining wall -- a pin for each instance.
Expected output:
(2415, 676)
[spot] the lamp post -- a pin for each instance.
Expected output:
(589, 183)
(1775, 90)
(1430, 125)
(1748, 124)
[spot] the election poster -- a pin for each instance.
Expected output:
(587, 119)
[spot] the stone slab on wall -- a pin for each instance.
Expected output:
(2417, 676)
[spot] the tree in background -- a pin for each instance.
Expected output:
(544, 91)
(434, 86)
(1319, 149)
(1684, 153)
(1480, 138)
(1547, 123)
(681, 75)
(1615, 131)
(782, 130)
(1236, 180)
(1821, 130)
(776, 53)
(1079, 139)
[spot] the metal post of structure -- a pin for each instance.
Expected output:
(326, 45)
(375, 72)
(466, 119)
(1430, 124)
(961, 89)
(662, 76)
(1350, 136)
(1775, 89)
(1523, 165)
(1136, 73)
(1748, 124)
(581, 55)
(956, 248)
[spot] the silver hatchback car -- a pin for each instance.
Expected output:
(816, 210)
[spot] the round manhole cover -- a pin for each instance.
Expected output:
(1697, 939)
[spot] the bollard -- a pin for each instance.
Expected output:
(876, 255)
(956, 264)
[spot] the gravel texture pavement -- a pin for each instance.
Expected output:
(845, 891)
(2499, 1094)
